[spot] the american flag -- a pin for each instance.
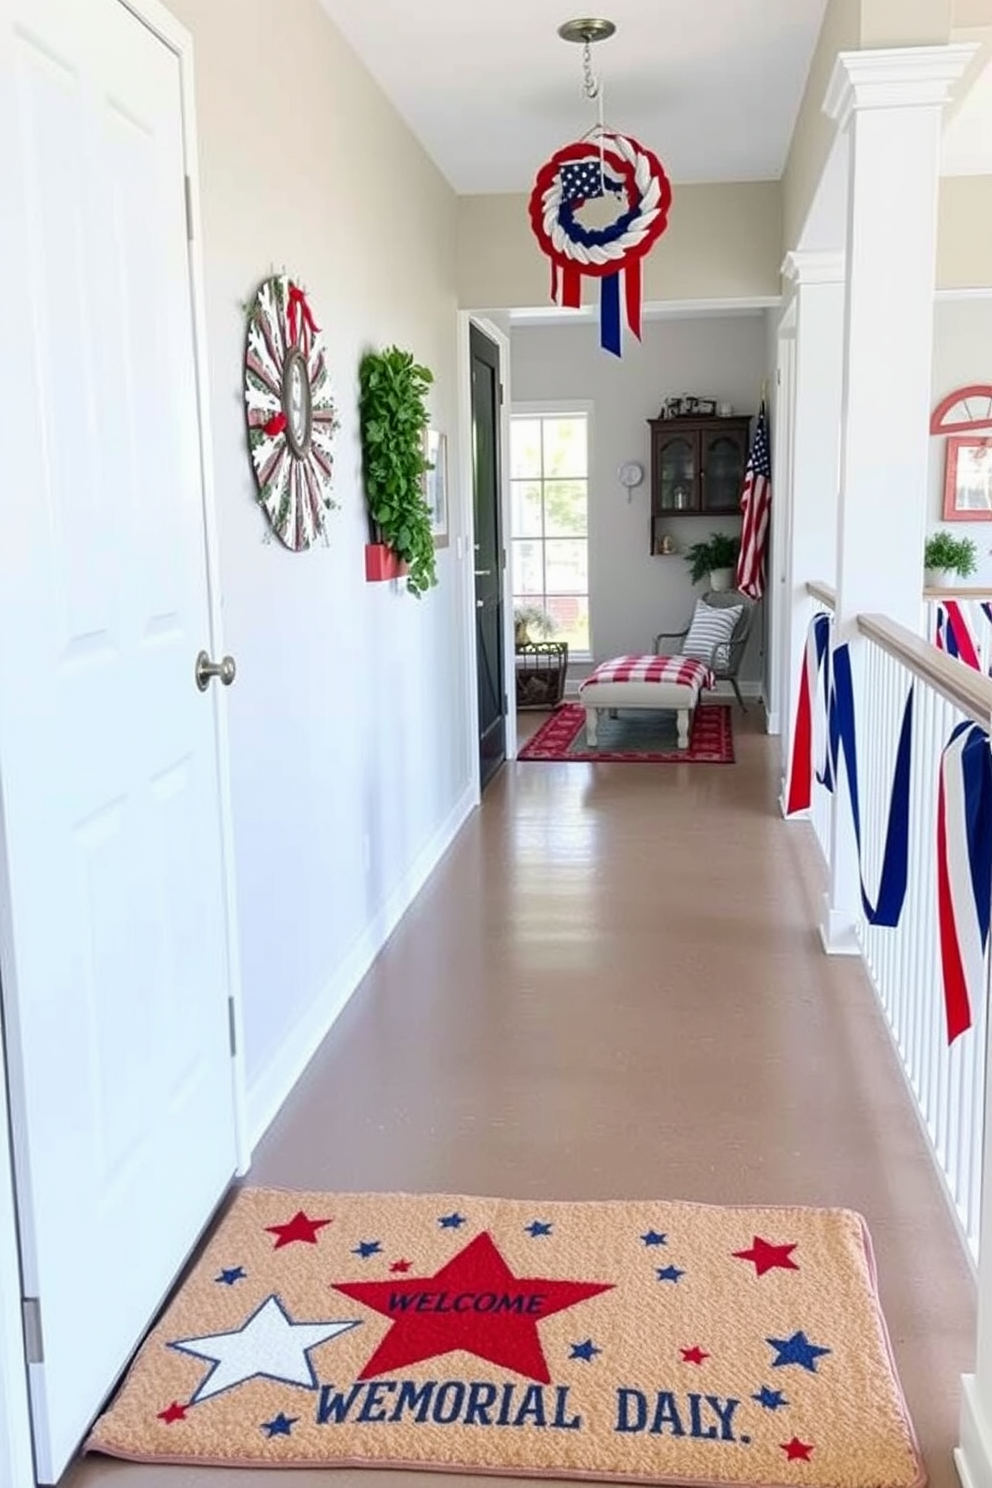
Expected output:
(756, 501)
(581, 180)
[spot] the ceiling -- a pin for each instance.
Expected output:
(712, 86)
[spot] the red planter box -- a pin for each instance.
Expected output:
(382, 563)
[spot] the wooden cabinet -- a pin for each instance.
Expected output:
(697, 467)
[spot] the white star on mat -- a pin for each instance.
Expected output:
(268, 1344)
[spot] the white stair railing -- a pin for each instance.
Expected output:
(904, 963)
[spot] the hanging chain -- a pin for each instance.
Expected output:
(591, 84)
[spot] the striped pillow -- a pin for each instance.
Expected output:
(710, 633)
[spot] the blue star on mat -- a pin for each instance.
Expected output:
(366, 1248)
(772, 1400)
(797, 1350)
(653, 1238)
(280, 1425)
(584, 1351)
(537, 1227)
(670, 1273)
(452, 1221)
(229, 1276)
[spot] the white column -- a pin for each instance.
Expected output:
(973, 1457)
(888, 108)
(818, 280)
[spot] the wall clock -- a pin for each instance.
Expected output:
(630, 474)
(291, 414)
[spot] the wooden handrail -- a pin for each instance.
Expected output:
(959, 684)
(825, 593)
(958, 591)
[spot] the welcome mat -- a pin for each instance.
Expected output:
(644, 1342)
(637, 735)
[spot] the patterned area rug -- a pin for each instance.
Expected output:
(643, 1342)
(635, 735)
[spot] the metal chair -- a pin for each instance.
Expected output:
(725, 662)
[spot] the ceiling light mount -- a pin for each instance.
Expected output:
(586, 30)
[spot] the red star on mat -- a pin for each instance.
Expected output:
(300, 1227)
(694, 1355)
(797, 1451)
(473, 1303)
(401, 1266)
(769, 1257)
(173, 1412)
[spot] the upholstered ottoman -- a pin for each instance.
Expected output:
(644, 682)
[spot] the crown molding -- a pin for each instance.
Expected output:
(894, 77)
(805, 266)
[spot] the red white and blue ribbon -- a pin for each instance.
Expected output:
(574, 175)
(964, 871)
(894, 876)
(810, 749)
(953, 634)
(828, 681)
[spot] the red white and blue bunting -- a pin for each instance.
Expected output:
(828, 681)
(825, 707)
(964, 871)
(953, 634)
(576, 174)
(810, 746)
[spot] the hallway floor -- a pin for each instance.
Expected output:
(611, 987)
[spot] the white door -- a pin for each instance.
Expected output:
(112, 890)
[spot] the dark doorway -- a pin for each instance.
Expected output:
(486, 399)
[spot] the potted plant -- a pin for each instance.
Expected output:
(530, 620)
(946, 558)
(716, 558)
(393, 416)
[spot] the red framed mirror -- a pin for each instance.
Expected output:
(968, 478)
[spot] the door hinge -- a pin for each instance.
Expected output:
(34, 1344)
(232, 1026)
(501, 395)
(188, 197)
(506, 704)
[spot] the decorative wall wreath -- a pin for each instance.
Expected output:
(574, 175)
(291, 414)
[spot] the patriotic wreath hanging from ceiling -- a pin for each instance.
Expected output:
(291, 415)
(612, 163)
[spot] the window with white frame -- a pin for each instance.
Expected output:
(549, 467)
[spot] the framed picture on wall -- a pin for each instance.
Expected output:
(436, 485)
(968, 479)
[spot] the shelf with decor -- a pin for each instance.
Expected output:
(697, 469)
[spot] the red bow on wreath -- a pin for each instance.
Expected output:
(300, 316)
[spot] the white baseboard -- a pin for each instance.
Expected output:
(837, 931)
(267, 1093)
(973, 1458)
(783, 806)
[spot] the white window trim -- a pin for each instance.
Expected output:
(561, 408)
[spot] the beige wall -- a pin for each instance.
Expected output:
(814, 132)
(723, 242)
(848, 25)
(964, 245)
(886, 23)
(306, 167)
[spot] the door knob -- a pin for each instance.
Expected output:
(225, 669)
(480, 604)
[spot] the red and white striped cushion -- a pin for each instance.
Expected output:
(685, 670)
